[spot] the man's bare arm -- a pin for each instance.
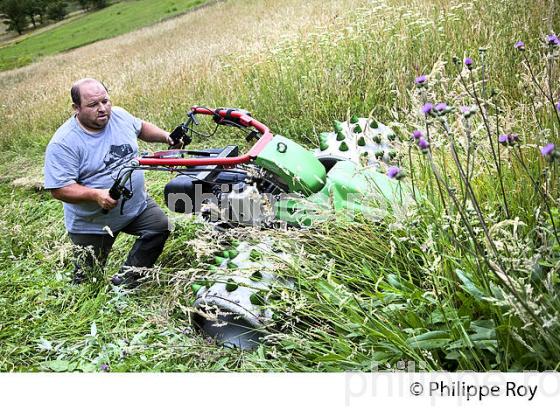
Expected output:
(152, 133)
(76, 193)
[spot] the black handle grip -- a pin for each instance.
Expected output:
(179, 135)
(115, 193)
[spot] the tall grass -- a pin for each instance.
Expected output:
(432, 288)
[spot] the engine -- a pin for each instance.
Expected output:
(240, 196)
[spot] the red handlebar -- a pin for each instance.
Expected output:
(243, 118)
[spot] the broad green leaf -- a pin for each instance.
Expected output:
(87, 367)
(57, 365)
(454, 355)
(483, 330)
(468, 285)
(429, 340)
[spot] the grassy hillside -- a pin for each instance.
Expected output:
(112, 21)
(466, 280)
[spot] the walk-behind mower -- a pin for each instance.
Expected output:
(277, 183)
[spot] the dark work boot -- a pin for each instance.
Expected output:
(78, 278)
(128, 278)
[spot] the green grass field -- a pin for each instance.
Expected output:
(467, 280)
(112, 21)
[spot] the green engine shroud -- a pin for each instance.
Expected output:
(296, 166)
(348, 187)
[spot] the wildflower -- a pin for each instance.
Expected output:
(468, 62)
(395, 173)
(552, 40)
(427, 108)
(392, 172)
(441, 107)
(548, 150)
(104, 367)
(520, 45)
(558, 105)
(416, 134)
(467, 111)
(421, 81)
(423, 144)
(508, 139)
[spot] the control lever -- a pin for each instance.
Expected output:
(118, 188)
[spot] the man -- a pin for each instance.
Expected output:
(81, 162)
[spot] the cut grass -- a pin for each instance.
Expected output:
(109, 22)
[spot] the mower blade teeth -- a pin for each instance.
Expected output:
(323, 141)
(231, 286)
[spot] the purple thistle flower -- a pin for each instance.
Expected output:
(520, 45)
(427, 108)
(552, 40)
(547, 150)
(441, 106)
(104, 367)
(423, 144)
(393, 172)
(558, 105)
(416, 134)
(421, 80)
(467, 111)
(468, 62)
(508, 139)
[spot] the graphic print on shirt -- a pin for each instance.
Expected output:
(118, 153)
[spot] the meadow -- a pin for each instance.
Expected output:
(109, 22)
(466, 280)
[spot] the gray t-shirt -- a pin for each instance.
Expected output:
(93, 160)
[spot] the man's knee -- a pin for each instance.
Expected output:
(163, 225)
(155, 236)
(153, 219)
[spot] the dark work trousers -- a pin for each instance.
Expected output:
(151, 227)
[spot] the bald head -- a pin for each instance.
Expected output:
(76, 93)
(91, 103)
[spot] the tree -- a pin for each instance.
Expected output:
(57, 10)
(99, 4)
(35, 8)
(13, 14)
(84, 4)
(41, 9)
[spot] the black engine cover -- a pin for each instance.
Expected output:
(186, 193)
